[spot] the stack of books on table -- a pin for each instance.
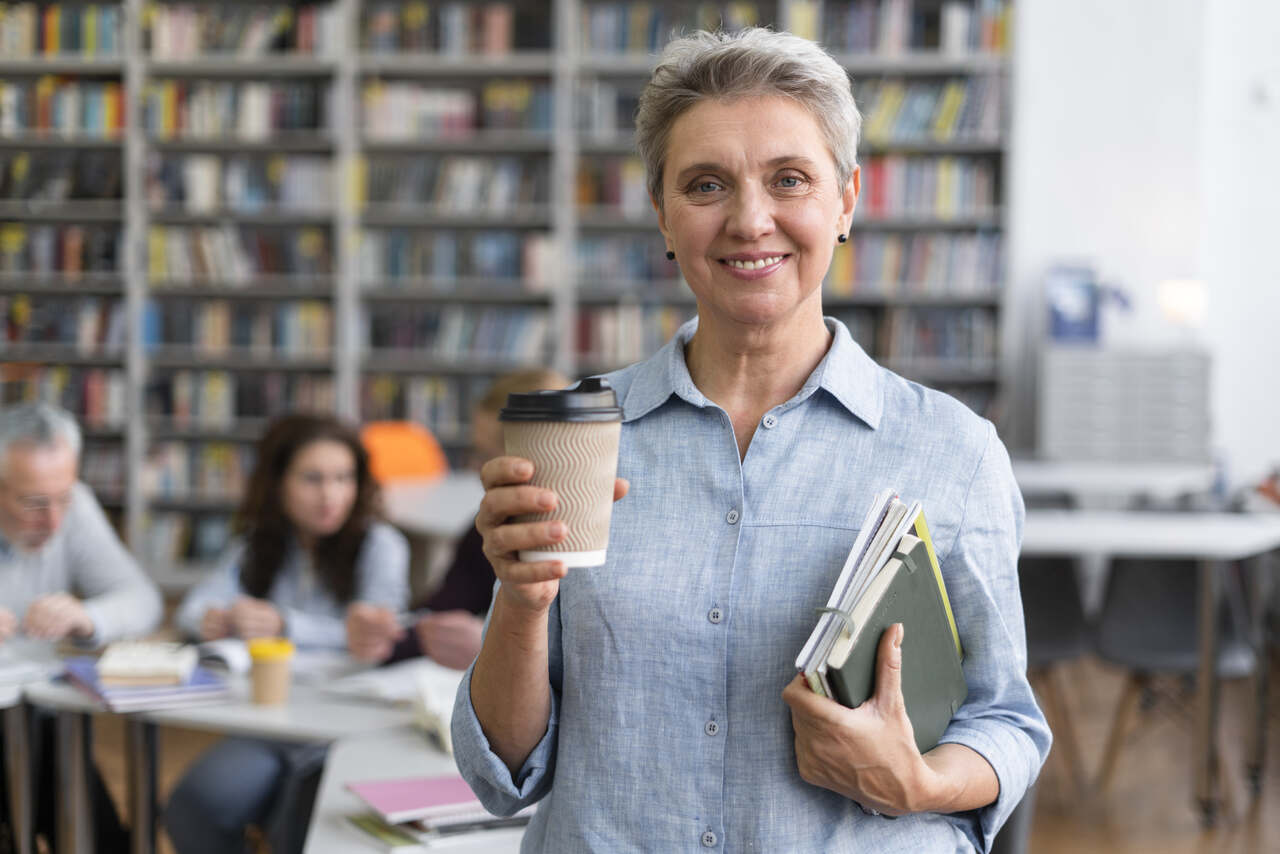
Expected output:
(414, 814)
(142, 676)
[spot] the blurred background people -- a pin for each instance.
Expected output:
(449, 631)
(311, 543)
(64, 575)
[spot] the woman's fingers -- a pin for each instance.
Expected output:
(503, 502)
(520, 572)
(505, 471)
(517, 536)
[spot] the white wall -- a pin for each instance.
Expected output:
(1141, 144)
(1240, 180)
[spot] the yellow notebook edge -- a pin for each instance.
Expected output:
(921, 529)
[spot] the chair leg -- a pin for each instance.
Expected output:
(1066, 729)
(1119, 727)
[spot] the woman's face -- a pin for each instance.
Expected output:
(752, 206)
(320, 487)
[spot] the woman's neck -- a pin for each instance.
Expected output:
(749, 370)
(756, 368)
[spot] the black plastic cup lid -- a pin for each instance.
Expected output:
(592, 399)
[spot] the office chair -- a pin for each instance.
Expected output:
(1057, 633)
(1148, 625)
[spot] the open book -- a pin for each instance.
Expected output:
(890, 576)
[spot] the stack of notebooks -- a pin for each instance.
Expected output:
(418, 814)
(891, 576)
(142, 676)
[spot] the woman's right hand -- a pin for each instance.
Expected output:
(531, 587)
(215, 624)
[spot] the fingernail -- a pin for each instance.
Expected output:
(558, 529)
(897, 638)
(523, 470)
(547, 500)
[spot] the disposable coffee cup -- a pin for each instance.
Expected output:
(571, 437)
(269, 672)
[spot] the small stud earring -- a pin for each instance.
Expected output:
(671, 256)
(842, 238)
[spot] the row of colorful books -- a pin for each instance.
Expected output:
(229, 253)
(408, 110)
(68, 250)
(514, 335)
(442, 404)
(456, 183)
(61, 105)
(96, 396)
(170, 538)
(952, 334)
(962, 109)
(180, 470)
(931, 187)
(220, 327)
(604, 260)
(51, 176)
(455, 29)
(644, 27)
(618, 183)
(216, 399)
(913, 264)
(83, 325)
(179, 32)
(243, 183)
(57, 29)
(891, 27)
(249, 110)
(408, 255)
(615, 336)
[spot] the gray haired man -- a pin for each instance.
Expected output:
(63, 571)
(64, 574)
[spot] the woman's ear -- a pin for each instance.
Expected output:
(849, 199)
(662, 217)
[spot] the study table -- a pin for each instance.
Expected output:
(310, 715)
(1213, 540)
(399, 752)
(1087, 481)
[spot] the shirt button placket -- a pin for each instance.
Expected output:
(770, 421)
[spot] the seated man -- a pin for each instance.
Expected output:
(64, 574)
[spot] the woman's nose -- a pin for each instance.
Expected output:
(751, 214)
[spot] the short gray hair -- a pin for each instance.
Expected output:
(754, 61)
(39, 424)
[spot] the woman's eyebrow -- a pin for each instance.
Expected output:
(711, 166)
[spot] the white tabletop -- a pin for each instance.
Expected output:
(444, 507)
(402, 752)
(308, 716)
(1212, 536)
(1125, 480)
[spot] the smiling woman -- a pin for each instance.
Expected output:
(655, 697)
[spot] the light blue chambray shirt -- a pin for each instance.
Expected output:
(668, 731)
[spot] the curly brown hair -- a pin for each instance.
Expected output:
(267, 530)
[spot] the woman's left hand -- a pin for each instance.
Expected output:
(255, 618)
(869, 753)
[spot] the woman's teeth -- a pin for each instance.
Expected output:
(754, 265)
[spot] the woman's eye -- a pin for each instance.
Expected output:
(790, 182)
(706, 187)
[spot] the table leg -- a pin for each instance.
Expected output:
(1259, 573)
(140, 739)
(1205, 784)
(75, 817)
(18, 760)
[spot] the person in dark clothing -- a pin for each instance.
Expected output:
(449, 630)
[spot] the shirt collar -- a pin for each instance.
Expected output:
(846, 373)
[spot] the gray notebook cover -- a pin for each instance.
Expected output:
(933, 683)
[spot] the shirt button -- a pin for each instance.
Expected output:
(731, 517)
(770, 421)
(709, 840)
(715, 615)
(712, 728)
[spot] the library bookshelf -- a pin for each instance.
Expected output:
(213, 213)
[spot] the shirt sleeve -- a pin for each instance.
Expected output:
(217, 590)
(120, 598)
(999, 719)
(501, 792)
